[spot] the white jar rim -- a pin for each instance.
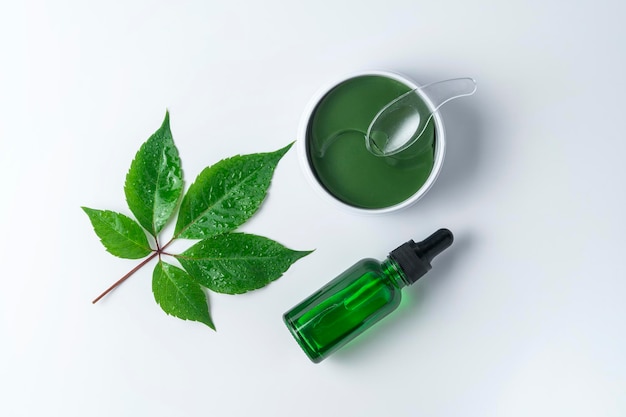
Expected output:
(309, 172)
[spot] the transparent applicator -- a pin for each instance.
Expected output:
(401, 122)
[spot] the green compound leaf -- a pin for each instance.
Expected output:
(235, 263)
(226, 194)
(154, 182)
(223, 197)
(120, 235)
(179, 295)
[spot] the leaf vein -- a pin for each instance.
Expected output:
(228, 193)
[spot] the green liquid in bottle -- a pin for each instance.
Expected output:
(344, 166)
(345, 307)
(360, 296)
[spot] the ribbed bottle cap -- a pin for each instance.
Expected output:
(415, 258)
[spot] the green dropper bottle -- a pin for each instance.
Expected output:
(362, 295)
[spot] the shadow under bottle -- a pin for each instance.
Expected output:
(360, 296)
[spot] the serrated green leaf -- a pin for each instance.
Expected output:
(226, 194)
(154, 182)
(179, 295)
(235, 263)
(120, 235)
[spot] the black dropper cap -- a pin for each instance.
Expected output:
(415, 258)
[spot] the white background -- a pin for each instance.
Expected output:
(524, 316)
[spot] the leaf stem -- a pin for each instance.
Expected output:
(156, 253)
(166, 245)
(125, 277)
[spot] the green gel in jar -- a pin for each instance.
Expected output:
(344, 167)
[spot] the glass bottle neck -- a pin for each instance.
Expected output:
(392, 270)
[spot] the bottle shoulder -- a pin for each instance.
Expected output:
(370, 263)
(366, 266)
(387, 270)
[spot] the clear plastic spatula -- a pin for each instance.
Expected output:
(402, 122)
